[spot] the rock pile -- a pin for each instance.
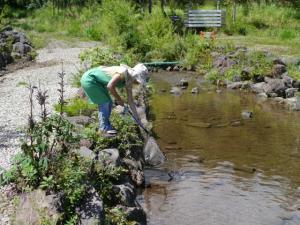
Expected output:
(14, 45)
(275, 84)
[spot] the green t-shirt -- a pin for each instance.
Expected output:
(94, 83)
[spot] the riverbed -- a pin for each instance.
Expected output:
(222, 168)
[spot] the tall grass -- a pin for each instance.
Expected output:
(264, 20)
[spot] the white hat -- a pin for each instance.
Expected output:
(139, 72)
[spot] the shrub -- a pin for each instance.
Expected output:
(77, 106)
(287, 34)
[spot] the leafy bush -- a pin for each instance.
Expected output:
(99, 56)
(44, 142)
(77, 106)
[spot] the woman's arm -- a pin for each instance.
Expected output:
(111, 86)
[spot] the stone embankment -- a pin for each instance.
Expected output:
(14, 102)
(14, 47)
(277, 85)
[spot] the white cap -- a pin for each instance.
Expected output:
(139, 72)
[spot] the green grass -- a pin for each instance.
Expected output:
(264, 27)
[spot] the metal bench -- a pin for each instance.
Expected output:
(204, 18)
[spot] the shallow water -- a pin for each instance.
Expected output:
(222, 169)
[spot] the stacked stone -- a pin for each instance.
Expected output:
(13, 45)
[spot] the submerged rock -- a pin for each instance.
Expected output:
(183, 83)
(200, 125)
(175, 91)
(247, 114)
(236, 123)
(195, 90)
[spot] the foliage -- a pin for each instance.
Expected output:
(251, 20)
(44, 142)
(116, 216)
(103, 180)
(77, 106)
(294, 71)
(126, 139)
(99, 56)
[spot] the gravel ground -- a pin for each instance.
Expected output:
(14, 103)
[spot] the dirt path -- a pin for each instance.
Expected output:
(14, 103)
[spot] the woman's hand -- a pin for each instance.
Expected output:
(111, 86)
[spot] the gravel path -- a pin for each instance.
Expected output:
(14, 103)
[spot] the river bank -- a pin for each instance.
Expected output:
(109, 172)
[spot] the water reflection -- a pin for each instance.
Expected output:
(224, 169)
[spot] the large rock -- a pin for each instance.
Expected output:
(36, 207)
(279, 61)
(109, 157)
(290, 92)
(124, 195)
(136, 214)
(14, 45)
(235, 85)
(176, 91)
(21, 48)
(275, 85)
(278, 70)
(86, 153)
(222, 62)
(91, 211)
(288, 81)
(258, 87)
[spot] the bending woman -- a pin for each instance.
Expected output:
(101, 82)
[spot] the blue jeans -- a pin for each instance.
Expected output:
(103, 115)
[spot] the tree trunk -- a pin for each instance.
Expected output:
(234, 12)
(150, 6)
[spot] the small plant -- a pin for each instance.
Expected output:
(41, 97)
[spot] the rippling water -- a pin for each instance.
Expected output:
(222, 169)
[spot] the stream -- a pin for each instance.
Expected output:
(222, 169)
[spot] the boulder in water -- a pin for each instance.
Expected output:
(175, 91)
(246, 114)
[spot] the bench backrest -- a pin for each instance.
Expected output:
(205, 18)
